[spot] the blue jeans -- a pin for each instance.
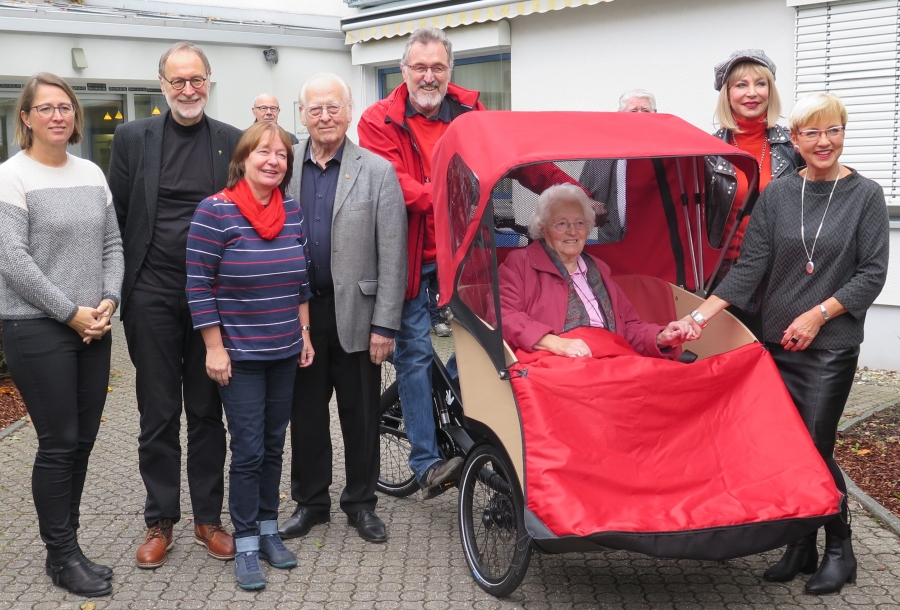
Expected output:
(431, 283)
(257, 404)
(412, 360)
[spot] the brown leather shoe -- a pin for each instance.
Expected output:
(154, 552)
(219, 543)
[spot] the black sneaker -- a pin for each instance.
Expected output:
(440, 477)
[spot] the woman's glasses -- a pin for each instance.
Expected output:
(813, 135)
(563, 226)
(46, 110)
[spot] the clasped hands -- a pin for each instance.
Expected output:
(93, 322)
(675, 333)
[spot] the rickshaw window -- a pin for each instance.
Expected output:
(462, 199)
(515, 197)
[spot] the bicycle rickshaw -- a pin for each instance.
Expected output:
(616, 460)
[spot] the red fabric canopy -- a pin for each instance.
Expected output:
(492, 143)
(625, 443)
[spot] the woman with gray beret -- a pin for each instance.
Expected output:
(818, 242)
(747, 112)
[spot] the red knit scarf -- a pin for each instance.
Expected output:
(266, 219)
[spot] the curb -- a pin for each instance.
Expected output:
(886, 518)
(12, 428)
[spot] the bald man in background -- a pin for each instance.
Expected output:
(265, 108)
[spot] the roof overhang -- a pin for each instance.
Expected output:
(304, 31)
(403, 18)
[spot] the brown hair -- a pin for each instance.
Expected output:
(24, 135)
(251, 139)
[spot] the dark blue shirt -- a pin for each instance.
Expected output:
(317, 189)
(443, 114)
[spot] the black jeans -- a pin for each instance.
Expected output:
(169, 357)
(257, 402)
(63, 382)
(819, 381)
(357, 383)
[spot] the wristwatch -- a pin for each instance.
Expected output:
(824, 311)
(699, 319)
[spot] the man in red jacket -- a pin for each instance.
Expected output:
(404, 128)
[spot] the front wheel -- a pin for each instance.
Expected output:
(492, 522)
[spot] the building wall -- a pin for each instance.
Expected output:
(239, 73)
(335, 8)
(584, 58)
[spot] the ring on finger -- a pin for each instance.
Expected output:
(795, 340)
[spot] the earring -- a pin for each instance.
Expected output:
(797, 148)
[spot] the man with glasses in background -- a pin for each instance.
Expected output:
(161, 167)
(265, 108)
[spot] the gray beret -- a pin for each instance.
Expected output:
(757, 56)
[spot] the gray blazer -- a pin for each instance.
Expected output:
(134, 182)
(368, 241)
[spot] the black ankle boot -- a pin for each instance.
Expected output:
(800, 556)
(838, 567)
(104, 572)
(78, 578)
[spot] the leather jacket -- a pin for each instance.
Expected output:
(721, 181)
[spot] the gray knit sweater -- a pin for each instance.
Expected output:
(59, 239)
(851, 256)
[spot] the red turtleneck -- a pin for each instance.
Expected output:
(751, 141)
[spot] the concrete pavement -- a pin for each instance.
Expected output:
(421, 566)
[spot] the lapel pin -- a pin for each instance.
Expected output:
(347, 176)
(220, 152)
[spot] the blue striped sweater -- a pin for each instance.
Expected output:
(250, 286)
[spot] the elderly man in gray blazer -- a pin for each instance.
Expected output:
(356, 226)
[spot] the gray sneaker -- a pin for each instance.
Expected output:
(440, 477)
(442, 329)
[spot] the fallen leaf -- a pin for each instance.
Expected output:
(88, 606)
(319, 544)
(5, 391)
(863, 452)
(14, 438)
(282, 496)
(102, 419)
(108, 389)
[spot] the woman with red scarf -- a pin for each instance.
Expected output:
(248, 293)
(747, 112)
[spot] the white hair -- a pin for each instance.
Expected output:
(425, 36)
(326, 78)
(641, 93)
(256, 99)
(552, 196)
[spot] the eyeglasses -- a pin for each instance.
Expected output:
(812, 135)
(436, 70)
(46, 110)
(178, 84)
(563, 226)
(639, 110)
(316, 111)
(266, 109)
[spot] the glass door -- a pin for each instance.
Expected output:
(8, 146)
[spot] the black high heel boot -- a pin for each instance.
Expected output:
(800, 556)
(838, 567)
(78, 578)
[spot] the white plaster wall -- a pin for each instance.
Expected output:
(239, 73)
(584, 58)
(881, 348)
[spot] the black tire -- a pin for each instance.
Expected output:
(395, 478)
(492, 522)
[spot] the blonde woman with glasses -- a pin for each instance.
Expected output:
(819, 237)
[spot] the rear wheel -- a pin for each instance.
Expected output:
(396, 479)
(492, 522)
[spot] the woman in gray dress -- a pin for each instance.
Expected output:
(819, 239)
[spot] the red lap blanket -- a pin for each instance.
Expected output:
(624, 443)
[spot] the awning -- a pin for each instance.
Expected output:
(464, 14)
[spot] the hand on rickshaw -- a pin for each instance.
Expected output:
(677, 332)
(600, 211)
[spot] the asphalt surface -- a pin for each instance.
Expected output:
(421, 566)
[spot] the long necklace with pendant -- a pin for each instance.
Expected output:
(810, 265)
(764, 148)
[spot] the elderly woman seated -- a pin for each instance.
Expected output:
(552, 286)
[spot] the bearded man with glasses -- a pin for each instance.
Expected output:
(160, 169)
(404, 128)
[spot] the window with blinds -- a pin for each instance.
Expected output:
(852, 49)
